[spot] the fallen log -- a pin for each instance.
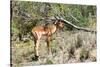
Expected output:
(76, 27)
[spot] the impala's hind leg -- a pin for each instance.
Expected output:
(36, 48)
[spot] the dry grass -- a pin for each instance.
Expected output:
(67, 47)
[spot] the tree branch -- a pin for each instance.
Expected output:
(74, 17)
(76, 27)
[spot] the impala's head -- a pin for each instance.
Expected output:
(59, 23)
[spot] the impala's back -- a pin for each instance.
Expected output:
(44, 30)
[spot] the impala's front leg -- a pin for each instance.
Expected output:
(48, 44)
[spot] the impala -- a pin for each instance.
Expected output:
(46, 30)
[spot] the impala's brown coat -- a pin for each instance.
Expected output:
(46, 30)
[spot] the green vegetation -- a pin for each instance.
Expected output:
(67, 45)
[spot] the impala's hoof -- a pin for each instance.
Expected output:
(35, 58)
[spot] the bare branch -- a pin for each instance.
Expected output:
(74, 18)
(76, 27)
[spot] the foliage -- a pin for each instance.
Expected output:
(22, 23)
(67, 45)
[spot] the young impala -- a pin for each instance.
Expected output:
(47, 31)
